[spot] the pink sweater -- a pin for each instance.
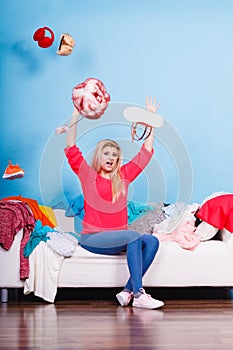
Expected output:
(100, 213)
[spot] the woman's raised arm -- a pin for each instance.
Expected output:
(152, 107)
(72, 131)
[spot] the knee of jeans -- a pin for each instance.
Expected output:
(134, 235)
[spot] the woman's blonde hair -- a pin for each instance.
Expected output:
(117, 183)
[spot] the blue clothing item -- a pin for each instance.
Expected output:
(74, 234)
(140, 251)
(136, 210)
(76, 209)
(38, 234)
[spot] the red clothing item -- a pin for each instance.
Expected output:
(15, 216)
(100, 214)
(218, 212)
(34, 206)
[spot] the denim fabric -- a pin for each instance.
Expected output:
(140, 251)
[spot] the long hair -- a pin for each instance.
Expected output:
(117, 183)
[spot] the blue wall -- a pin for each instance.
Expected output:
(178, 51)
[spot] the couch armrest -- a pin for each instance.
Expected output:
(227, 238)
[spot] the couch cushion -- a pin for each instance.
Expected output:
(210, 264)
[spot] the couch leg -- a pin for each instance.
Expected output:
(4, 295)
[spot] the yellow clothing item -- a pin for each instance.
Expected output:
(48, 211)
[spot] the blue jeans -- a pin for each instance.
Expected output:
(140, 251)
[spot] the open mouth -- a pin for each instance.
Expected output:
(109, 163)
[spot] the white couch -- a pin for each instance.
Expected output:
(210, 264)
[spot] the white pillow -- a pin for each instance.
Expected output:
(205, 231)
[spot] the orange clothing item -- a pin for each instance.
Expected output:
(34, 206)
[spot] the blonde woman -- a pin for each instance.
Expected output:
(105, 231)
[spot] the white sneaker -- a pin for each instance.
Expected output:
(145, 301)
(124, 297)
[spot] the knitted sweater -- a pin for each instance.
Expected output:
(101, 214)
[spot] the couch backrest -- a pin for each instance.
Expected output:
(64, 222)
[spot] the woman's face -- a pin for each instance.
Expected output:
(108, 159)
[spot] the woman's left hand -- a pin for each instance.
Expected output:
(151, 106)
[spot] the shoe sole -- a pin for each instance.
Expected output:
(143, 116)
(149, 307)
(18, 174)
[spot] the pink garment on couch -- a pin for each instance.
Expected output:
(184, 235)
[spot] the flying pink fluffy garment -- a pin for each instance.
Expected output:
(90, 98)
